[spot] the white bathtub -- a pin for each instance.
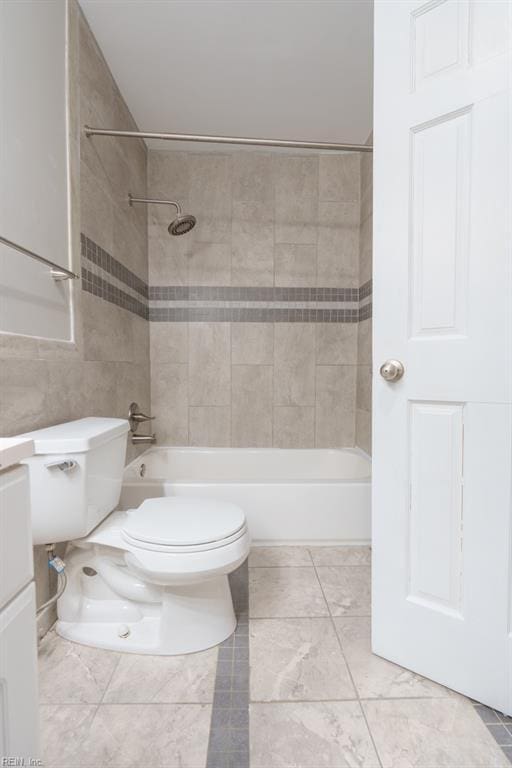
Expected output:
(318, 495)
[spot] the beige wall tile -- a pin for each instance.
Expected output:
(210, 425)
(140, 335)
(169, 342)
(335, 405)
(252, 244)
(101, 381)
(252, 343)
(294, 364)
(295, 265)
(364, 388)
(366, 201)
(296, 199)
(338, 245)
(168, 256)
(210, 196)
(252, 177)
(364, 431)
(209, 264)
(24, 396)
(209, 363)
(336, 386)
(336, 343)
(365, 250)
(69, 397)
(96, 210)
(108, 330)
(252, 405)
(130, 245)
(169, 402)
(168, 175)
(294, 427)
(364, 341)
(339, 177)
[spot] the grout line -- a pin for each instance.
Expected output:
(349, 671)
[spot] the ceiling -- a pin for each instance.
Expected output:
(288, 69)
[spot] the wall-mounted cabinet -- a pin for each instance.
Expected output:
(34, 166)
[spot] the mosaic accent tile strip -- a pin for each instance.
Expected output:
(105, 290)
(252, 293)
(249, 315)
(229, 732)
(106, 277)
(112, 266)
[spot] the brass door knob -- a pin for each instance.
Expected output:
(392, 370)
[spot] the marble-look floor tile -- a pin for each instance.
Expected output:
(373, 676)
(285, 592)
(344, 555)
(70, 673)
(347, 589)
(297, 660)
(284, 556)
(431, 733)
(126, 736)
(63, 728)
(163, 679)
(310, 735)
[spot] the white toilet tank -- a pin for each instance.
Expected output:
(75, 476)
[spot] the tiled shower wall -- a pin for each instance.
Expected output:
(44, 382)
(254, 332)
(364, 329)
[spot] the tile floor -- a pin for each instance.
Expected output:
(316, 697)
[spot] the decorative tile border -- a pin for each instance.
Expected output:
(228, 746)
(105, 277)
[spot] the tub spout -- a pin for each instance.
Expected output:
(142, 439)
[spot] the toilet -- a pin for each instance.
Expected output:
(148, 580)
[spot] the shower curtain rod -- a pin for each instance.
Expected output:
(320, 145)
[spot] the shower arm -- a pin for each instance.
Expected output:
(148, 201)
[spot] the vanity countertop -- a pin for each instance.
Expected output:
(14, 449)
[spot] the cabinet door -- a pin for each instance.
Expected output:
(18, 678)
(16, 564)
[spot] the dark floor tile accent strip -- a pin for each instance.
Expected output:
(229, 733)
(499, 726)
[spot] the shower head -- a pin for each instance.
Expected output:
(183, 222)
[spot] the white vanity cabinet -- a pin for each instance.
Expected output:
(18, 639)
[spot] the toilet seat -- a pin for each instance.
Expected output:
(183, 525)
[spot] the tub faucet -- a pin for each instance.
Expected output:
(136, 417)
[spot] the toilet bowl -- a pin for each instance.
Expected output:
(155, 579)
(147, 580)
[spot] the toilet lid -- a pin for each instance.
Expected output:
(183, 522)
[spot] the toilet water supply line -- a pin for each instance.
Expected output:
(58, 565)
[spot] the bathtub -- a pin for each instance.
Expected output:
(288, 495)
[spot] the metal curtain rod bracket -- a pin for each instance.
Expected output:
(56, 271)
(287, 143)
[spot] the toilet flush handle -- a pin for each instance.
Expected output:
(65, 466)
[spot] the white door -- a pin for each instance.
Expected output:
(442, 306)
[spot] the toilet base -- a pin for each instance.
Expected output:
(188, 619)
